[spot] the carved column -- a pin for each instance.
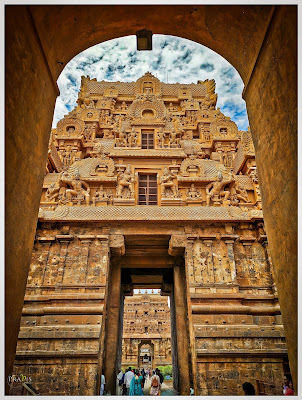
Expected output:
(183, 343)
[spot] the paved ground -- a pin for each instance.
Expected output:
(166, 388)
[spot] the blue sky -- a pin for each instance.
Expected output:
(172, 60)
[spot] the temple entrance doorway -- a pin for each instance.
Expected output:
(145, 356)
(147, 318)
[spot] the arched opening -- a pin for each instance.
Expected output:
(251, 24)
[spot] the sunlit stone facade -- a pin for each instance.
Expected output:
(148, 184)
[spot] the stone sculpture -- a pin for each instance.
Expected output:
(215, 190)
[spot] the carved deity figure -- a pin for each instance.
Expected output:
(227, 159)
(79, 189)
(215, 189)
(193, 193)
(171, 108)
(89, 130)
(70, 130)
(66, 157)
(174, 140)
(160, 137)
(99, 195)
(53, 192)
(241, 193)
(125, 184)
(122, 139)
(169, 187)
(254, 176)
(132, 138)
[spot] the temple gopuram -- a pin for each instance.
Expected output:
(146, 332)
(149, 186)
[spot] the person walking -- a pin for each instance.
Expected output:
(143, 373)
(127, 380)
(155, 385)
(119, 383)
(161, 377)
(287, 386)
(136, 385)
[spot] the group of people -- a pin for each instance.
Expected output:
(132, 382)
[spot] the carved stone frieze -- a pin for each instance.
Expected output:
(150, 213)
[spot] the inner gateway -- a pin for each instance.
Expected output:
(145, 325)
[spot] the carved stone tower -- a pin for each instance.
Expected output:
(148, 185)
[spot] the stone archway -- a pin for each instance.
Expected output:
(258, 41)
(142, 343)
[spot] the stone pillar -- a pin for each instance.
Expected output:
(183, 343)
(112, 327)
(271, 97)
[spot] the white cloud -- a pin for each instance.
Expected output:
(172, 60)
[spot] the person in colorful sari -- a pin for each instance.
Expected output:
(155, 385)
(136, 385)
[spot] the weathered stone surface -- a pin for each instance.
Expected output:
(212, 258)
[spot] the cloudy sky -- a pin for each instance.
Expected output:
(172, 60)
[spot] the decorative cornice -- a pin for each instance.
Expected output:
(148, 213)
